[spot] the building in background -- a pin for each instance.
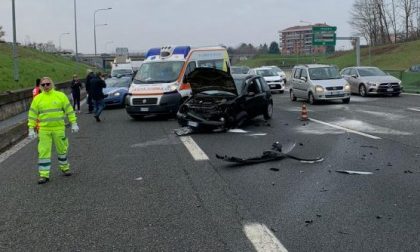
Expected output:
(298, 40)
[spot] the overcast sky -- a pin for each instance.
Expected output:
(141, 24)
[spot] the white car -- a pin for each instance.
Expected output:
(279, 72)
(274, 81)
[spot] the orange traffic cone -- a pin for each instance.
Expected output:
(304, 113)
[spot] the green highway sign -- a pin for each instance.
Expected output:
(324, 35)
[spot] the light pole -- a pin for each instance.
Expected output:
(59, 39)
(15, 63)
(75, 31)
(94, 25)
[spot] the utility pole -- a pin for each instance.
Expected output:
(75, 31)
(15, 63)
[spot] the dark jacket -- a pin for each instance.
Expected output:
(89, 78)
(76, 85)
(96, 88)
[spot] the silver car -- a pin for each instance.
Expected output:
(316, 82)
(371, 81)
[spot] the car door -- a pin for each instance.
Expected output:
(297, 83)
(304, 83)
(353, 80)
(254, 98)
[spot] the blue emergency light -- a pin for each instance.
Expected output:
(182, 50)
(152, 52)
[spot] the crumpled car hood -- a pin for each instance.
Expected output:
(203, 79)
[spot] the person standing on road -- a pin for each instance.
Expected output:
(50, 108)
(97, 86)
(36, 91)
(76, 85)
(88, 86)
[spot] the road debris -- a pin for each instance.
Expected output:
(408, 171)
(323, 190)
(237, 131)
(370, 146)
(274, 169)
(344, 233)
(274, 154)
(183, 131)
(309, 222)
(354, 172)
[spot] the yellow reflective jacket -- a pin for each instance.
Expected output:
(50, 108)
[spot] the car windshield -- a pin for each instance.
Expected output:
(158, 72)
(118, 82)
(371, 71)
(265, 72)
(324, 73)
(121, 72)
(239, 83)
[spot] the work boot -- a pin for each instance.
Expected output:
(43, 180)
(67, 173)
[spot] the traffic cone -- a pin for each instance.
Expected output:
(304, 113)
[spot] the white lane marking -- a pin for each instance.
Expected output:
(414, 109)
(262, 238)
(345, 129)
(5, 155)
(237, 131)
(411, 94)
(258, 134)
(196, 152)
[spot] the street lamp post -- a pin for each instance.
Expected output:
(15, 64)
(94, 25)
(75, 31)
(59, 39)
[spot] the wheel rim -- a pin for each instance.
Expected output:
(362, 90)
(270, 110)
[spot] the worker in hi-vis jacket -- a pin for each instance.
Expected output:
(50, 108)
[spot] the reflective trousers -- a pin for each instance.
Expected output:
(45, 140)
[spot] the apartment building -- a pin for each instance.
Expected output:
(298, 40)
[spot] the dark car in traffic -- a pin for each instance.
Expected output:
(220, 101)
(116, 90)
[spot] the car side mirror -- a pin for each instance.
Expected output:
(303, 78)
(354, 76)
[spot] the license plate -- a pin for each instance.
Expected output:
(390, 90)
(273, 85)
(192, 124)
(144, 109)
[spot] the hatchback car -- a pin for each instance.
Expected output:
(316, 82)
(219, 103)
(371, 81)
(274, 81)
(116, 91)
(280, 72)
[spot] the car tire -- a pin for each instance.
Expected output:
(268, 113)
(311, 99)
(362, 90)
(292, 96)
(346, 101)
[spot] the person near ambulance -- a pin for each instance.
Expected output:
(50, 108)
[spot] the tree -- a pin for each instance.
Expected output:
(274, 48)
(2, 33)
(408, 8)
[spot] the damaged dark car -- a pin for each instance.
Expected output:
(218, 102)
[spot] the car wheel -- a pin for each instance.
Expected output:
(292, 96)
(268, 113)
(346, 101)
(362, 90)
(311, 99)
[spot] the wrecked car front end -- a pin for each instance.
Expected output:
(214, 102)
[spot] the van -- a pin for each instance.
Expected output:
(159, 86)
(316, 82)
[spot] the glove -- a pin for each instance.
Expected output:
(32, 134)
(74, 128)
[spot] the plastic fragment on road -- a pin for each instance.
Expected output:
(354, 172)
(183, 131)
(274, 154)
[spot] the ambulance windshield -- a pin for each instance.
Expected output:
(158, 72)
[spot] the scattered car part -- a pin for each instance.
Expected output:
(354, 172)
(270, 155)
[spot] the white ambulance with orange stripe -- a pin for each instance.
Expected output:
(158, 86)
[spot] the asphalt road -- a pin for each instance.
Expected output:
(138, 187)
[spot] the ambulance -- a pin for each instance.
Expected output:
(159, 87)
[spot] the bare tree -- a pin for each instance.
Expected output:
(408, 9)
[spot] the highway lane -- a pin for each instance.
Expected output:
(136, 186)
